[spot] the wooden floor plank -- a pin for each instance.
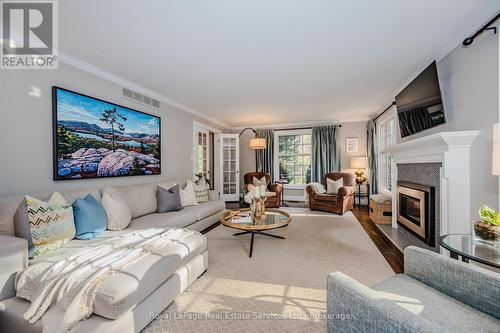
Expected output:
(390, 252)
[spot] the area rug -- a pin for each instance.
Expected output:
(280, 289)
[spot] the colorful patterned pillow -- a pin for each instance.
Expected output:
(51, 223)
(201, 189)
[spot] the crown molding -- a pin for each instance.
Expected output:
(99, 72)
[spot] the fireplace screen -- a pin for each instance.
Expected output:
(409, 207)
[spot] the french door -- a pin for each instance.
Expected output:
(201, 152)
(230, 165)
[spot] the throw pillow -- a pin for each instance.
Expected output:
(51, 223)
(169, 200)
(188, 195)
(259, 182)
(332, 186)
(118, 214)
(89, 216)
(201, 189)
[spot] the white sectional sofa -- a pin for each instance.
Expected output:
(128, 300)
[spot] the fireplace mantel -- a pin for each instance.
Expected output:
(452, 149)
(432, 148)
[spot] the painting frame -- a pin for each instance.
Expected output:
(55, 137)
(352, 145)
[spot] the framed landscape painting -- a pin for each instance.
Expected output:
(94, 138)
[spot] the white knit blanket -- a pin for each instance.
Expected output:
(318, 188)
(72, 281)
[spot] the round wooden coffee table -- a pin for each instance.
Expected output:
(273, 219)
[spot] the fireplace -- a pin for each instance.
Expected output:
(416, 213)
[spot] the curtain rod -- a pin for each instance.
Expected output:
(386, 109)
(301, 128)
(469, 40)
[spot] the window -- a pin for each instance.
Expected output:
(387, 138)
(293, 156)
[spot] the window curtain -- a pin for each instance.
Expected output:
(371, 140)
(325, 152)
(264, 158)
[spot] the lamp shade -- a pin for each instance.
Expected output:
(258, 143)
(360, 162)
(495, 159)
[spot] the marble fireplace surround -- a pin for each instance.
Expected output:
(452, 150)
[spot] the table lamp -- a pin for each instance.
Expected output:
(359, 163)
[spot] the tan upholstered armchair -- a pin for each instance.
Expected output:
(335, 203)
(274, 190)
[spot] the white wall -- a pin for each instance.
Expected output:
(469, 80)
(26, 130)
(355, 129)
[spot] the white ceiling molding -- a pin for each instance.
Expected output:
(99, 72)
(456, 40)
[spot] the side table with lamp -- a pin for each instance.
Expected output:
(360, 163)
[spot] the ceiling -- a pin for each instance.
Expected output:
(267, 62)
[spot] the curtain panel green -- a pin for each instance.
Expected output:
(325, 152)
(371, 140)
(264, 158)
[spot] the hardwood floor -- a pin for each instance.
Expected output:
(390, 252)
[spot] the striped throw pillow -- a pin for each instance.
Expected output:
(51, 223)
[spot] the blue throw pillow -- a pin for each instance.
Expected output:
(89, 216)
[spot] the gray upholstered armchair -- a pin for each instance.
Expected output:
(436, 294)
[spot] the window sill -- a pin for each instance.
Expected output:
(294, 186)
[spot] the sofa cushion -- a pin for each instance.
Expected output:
(179, 219)
(117, 212)
(130, 285)
(133, 283)
(201, 189)
(188, 196)
(428, 303)
(9, 206)
(209, 208)
(89, 216)
(51, 223)
(140, 199)
(169, 200)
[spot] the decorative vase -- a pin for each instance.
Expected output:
(486, 233)
(360, 177)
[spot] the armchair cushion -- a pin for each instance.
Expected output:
(347, 190)
(326, 197)
(333, 186)
(472, 285)
(259, 182)
(430, 304)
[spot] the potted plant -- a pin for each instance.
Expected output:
(487, 229)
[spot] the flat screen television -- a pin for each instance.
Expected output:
(420, 105)
(95, 138)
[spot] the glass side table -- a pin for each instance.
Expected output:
(467, 248)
